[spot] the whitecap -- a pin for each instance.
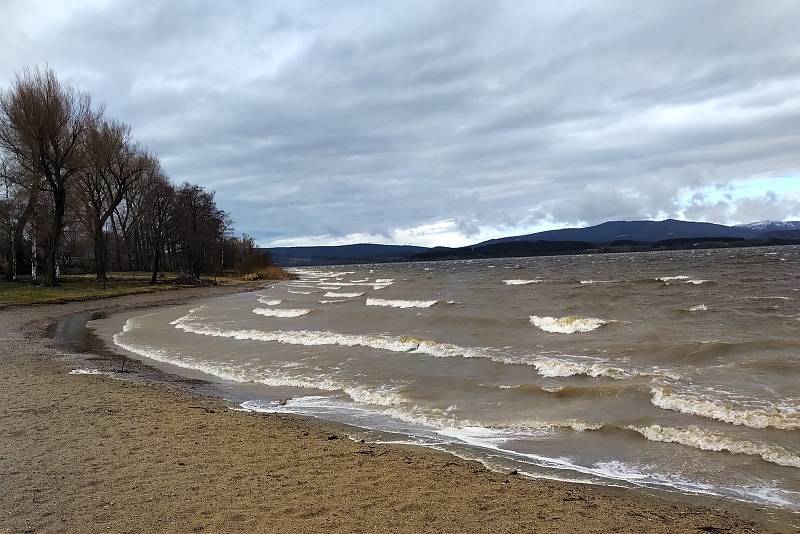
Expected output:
(343, 295)
(401, 303)
(575, 365)
(520, 282)
(728, 410)
(268, 301)
(299, 292)
(699, 307)
(667, 279)
(567, 325)
(91, 371)
(710, 441)
(273, 312)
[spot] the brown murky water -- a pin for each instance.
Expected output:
(678, 370)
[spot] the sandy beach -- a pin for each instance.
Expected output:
(146, 452)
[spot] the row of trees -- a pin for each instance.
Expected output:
(78, 193)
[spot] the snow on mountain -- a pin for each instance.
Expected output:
(771, 226)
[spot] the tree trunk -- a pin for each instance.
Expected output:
(156, 258)
(19, 234)
(59, 200)
(99, 251)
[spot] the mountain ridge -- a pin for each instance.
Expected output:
(609, 236)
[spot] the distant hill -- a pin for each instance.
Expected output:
(635, 231)
(359, 253)
(612, 236)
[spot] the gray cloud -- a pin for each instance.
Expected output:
(340, 119)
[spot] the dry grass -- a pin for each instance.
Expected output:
(270, 272)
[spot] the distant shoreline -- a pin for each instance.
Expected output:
(102, 453)
(545, 249)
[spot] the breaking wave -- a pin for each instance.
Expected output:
(567, 325)
(572, 366)
(711, 441)
(699, 307)
(668, 279)
(401, 303)
(784, 418)
(272, 312)
(333, 295)
(268, 301)
(520, 282)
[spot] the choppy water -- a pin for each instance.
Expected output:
(677, 370)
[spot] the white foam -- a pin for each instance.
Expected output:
(401, 303)
(567, 325)
(577, 365)
(597, 281)
(272, 312)
(710, 441)
(668, 279)
(736, 413)
(380, 396)
(86, 372)
(376, 341)
(334, 301)
(330, 294)
(520, 282)
(699, 307)
(299, 292)
(268, 301)
(697, 282)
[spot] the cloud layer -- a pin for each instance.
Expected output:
(444, 122)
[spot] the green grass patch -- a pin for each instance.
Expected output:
(74, 288)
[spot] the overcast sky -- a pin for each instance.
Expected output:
(443, 123)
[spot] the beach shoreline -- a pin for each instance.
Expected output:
(157, 452)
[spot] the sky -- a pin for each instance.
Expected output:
(443, 123)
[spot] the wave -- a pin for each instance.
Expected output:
(598, 281)
(333, 301)
(699, 307)
(520, 282)
(330, 294)
(572, 424)
(783, 418)
(379, 396)
(567, 325)
(385, 342)
(298, 292)
(268, 301)
(668, 279)
(401, 303)
(272, 312)
(710, 441)
(575, 365)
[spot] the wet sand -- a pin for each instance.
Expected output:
(153, 453)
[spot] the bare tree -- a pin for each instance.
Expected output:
(115, 163)
(159, 215)
(43, 123)
(22, 195)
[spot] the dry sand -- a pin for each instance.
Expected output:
(83, 453)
